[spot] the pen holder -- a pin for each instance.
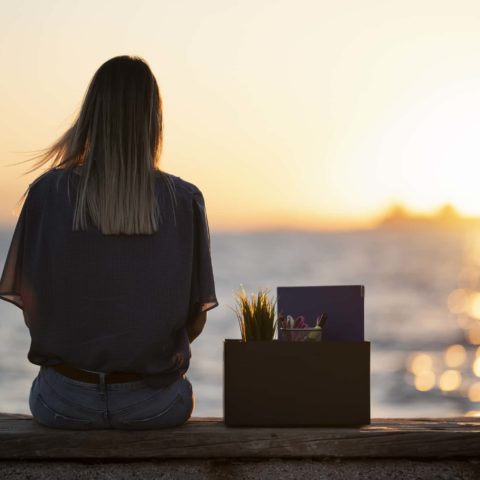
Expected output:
(300, 334)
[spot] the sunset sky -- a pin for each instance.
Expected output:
(311, 114)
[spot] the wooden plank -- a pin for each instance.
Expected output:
(208, 437)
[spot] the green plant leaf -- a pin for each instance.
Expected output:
(255, 314)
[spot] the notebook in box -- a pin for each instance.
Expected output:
(344, 305)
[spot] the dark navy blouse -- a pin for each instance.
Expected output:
(110, 303)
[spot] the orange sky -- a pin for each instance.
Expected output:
(313, 114)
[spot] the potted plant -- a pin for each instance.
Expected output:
(255, 315)
(280, 382)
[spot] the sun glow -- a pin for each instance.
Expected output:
(355, 109)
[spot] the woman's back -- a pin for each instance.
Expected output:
(111, 302)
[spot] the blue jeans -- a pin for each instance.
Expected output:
(60, 402)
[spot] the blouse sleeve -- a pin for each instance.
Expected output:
(11, 281)
(202, 297)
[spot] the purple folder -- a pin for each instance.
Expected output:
(344, 305)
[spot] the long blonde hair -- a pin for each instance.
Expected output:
(115, 144)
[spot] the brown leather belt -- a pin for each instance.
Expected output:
(91, 377)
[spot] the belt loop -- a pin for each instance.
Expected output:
(102, 384)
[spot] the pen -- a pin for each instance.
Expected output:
(321, 320)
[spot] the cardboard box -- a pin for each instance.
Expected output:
(277, 383)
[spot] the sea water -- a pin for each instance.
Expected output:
(420, 300)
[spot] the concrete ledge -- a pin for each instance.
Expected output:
(276, 469)
(21, 438)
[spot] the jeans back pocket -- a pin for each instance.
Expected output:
(48, 417)
(174, 414)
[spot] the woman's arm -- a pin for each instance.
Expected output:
(195, 327)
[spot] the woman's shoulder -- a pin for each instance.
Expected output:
(43, 181)
(180, 183)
